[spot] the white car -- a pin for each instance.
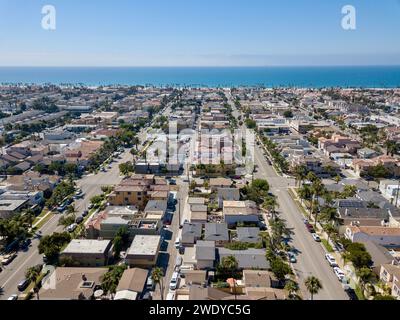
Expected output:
(316, 237)
(331, 260)
(339, 273)
(72, 227)
(174, 281)
(13, 297)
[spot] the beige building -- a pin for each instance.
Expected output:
(143, 251)
(88, 253)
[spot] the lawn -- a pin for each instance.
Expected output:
(359, 293)
(327, 246)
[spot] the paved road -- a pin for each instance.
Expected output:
(311, 260)
(91, 186)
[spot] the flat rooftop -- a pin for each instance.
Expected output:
(144, 245)
(87, 246)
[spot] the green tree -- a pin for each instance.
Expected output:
(110, 280)
(126, 168)
(280, 268)
(292, 288)
(51, 245)
(300, 173)
(313, 286)
(32, 275)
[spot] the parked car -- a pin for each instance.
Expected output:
(23, 285)
(292, 257)
(351, 294)
(150, 285)
(174, 281)
(310, 228)
(61, 208)
(8, 258)
(331, 260)
(177, 242)
(13, 297)
(79, 220)
(85, 213)
(72, 227)
(316, 237)
(339, 273)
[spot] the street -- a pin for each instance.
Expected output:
(311, 258)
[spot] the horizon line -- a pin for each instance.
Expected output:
(213, 66)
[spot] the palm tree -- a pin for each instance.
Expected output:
(292, 287)
(318, 190)
(300, 174)
(366, 275)
(110, 280)
(270, 204)
(330, 229)
(313, 285)
(228, 266)
(32, 274)
(157, 276)
(391, 147)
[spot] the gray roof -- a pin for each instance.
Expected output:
(192, 229)
(198, 207)
(156, 205)
(230, 194)
(379, 254)
(205, 250)
(245, 234)
(355, 182)
(334, 187)
(247, 259)
(216, 232)
(364, 213)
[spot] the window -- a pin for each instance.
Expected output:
(129, 193)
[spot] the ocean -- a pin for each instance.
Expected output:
(304, 77)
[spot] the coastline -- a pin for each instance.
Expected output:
(296, 77)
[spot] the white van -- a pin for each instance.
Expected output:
(174, 281)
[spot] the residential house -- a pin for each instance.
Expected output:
(240, 211)
(88, 253)
(247, 259)
(204, 254)
(191, 232)
(132, 284)
(217, 232)
(385, 236)
(390, 275)
(143, 251)
(227, 194)
(71, 283)
(248, 234)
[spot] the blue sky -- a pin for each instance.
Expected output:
(199, 33)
